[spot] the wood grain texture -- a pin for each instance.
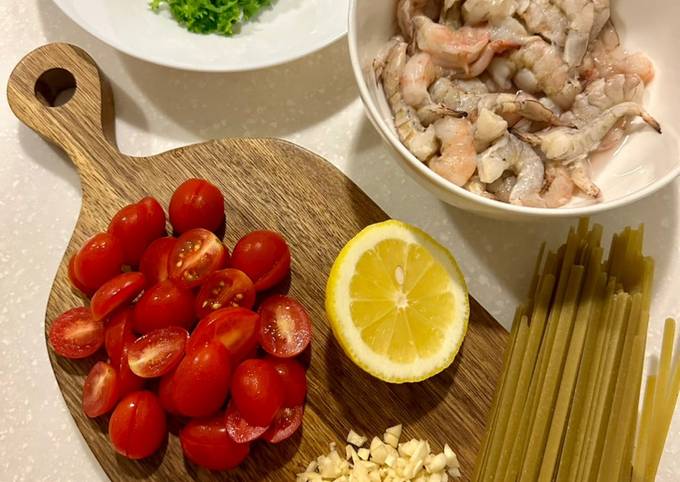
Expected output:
(268, 183)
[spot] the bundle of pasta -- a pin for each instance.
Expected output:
(566, 408)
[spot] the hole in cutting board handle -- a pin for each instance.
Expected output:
(55, 87)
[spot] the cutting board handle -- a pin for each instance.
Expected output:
(38, 93)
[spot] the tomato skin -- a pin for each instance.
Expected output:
(163, 305)
(98, 260)
(116, 292)
(264, 256)
(76, 334)
(128, 382)
(286, 423)
(294, 379)
(136, 225)
(137, 426)
(201, 381)
(205, 442)
(157, 352)
(196, 203)
(100, 391)
(117, 334)
(257, 391)
(238, 428)
(166, 393)
(154, 261)
(75, 282)
(225, 288)
(197, 254)
(285, 328)
(235, 328)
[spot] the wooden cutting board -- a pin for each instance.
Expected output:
(268, 183)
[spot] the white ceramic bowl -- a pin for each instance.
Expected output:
(645, 163)
(286, 31)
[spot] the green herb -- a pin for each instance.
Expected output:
(211, 16)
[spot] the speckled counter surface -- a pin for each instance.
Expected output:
(312, 102)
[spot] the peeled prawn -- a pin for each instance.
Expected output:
(457, 162)
(406, 10)
(449, 48)
(479, 11)
(419, 72)
(450, 13)
(474, 185)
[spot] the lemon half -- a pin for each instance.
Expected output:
(397, 302)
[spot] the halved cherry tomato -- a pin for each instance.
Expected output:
(225, 288)
(162, 305)
(201, 381)
(157, 352)
(138, 427)
(97, 261)
(294, 380)
(205, 442)
(286, 423)
(285, 329)
(128, 382)
(117, 334)
(238, 428)
(257, 391)
(154, 261)
(75, 282)
(235, 328)
(197, 254)
(264, 256)
(115, 293)
(196, 203)
(136, 225)
(100, 391)
(76, 334)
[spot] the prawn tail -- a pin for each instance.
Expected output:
(650, 120)
(527, 137)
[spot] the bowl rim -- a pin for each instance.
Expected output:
(487, 205)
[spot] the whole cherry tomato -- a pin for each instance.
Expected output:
(225, 288)
(157, 352)
(201, 381)
(154, 261)
(100, 391)
(235, 328)
(76, 334)
(257, 391)
(264, 256)
(136, 225)
(197, 254)
(196, 203)
(162, 305)
(75, 282)
(117, 334)
(285, 424)
(137, 426)
(285, 328)
(294, 380)
(115, 293)
(205, 442)
(97, 261)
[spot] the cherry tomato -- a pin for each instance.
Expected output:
(257, 391)
(164, 304)
(285, 329)
(166, 392)
(197, 254)
(76, 334)
(115, 293)
(137, 427)
(294, 380)
(75, 282)
(238, 428)
(100, 391)
(157, 352)
(97, 261)
(205, 442)
(201, 381)
(136, 225)
(264, 256)
(117, 334)
(128, 382)
(286, 423)
(235, 328)
(154, 261)
(225, 288)
(196, 204)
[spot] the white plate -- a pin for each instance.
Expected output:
(288, 30)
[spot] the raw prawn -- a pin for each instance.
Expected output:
(406, 10)
(457, 162)
(479, 11)
(449, 48)
(475, 186)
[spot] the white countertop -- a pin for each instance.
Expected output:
(312, 102)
